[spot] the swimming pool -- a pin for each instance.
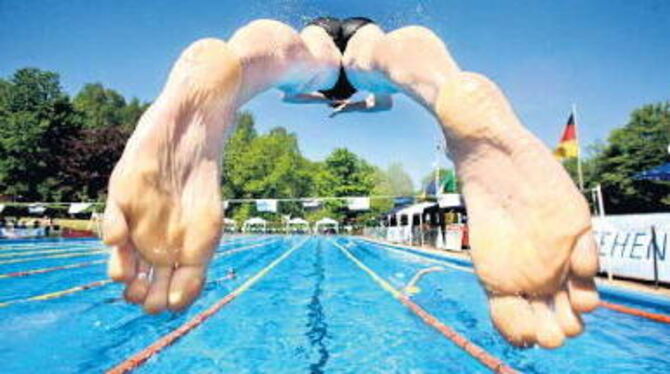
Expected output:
(299, 304)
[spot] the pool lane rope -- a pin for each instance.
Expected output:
(91, 263)
(50, 269)
(100, 283)
(46, 251)
(427, 259)
(663, 318)
(165, 341)
(45, 245)
(491, 362)
(66, 255)
(57, 294)
(658, 317)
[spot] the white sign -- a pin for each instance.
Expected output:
(358, 203)
(36, 208)
(266, 205)
(311, 203)
(78, 207)
(626, 246)
(449, 200)
(453, 238)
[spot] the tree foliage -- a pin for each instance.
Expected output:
(639, 145)
(36, 120)
(272, 166)
(54, 149)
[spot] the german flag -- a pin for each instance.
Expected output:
(568, 146)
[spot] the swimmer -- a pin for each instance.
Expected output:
(338, 96)
(530, 228)
(231, 275)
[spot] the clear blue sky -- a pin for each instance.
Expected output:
(609, 57)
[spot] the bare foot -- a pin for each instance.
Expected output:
(530, 228)
(163, 214)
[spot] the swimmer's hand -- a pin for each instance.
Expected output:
(344, 106)
(373, 103)
(339, 106)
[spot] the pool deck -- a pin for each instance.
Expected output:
(662, 290)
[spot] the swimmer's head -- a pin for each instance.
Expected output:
(340, 30)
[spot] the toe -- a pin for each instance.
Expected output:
(583, 294)
(122, 262)
(568, 320)
(185, 286)
(114, 227)
(584, 258)
(137, 290)
(548, 333)
(156, 300)
(514, 318)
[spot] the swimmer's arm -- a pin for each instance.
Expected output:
(305, 98)
(373, 103)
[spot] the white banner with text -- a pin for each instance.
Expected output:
(626, 246)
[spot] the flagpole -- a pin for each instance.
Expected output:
(579, 150)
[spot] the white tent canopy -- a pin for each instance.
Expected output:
(254, 222)
(297, 223)
(326, 221)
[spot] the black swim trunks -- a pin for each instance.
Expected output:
(340, 31)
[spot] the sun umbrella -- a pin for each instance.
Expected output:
(659, 173)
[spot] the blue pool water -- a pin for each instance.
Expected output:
(315, 312)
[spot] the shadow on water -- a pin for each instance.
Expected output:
(318, 328)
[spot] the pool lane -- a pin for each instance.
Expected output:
(631, 343)
(315, 313)
(95, 328)
(17, 288)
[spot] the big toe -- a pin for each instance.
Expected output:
(114, 226)
(121, 263)
(514, 319)
(583, 294)
(584, 258)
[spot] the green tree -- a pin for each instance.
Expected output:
(346, 174)
(401, 183)
(265, 166)
(639, 145)
(131, 114)
(99, 106)
(234, 176)
(36, 122)
(103, 107)
(382, 187)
